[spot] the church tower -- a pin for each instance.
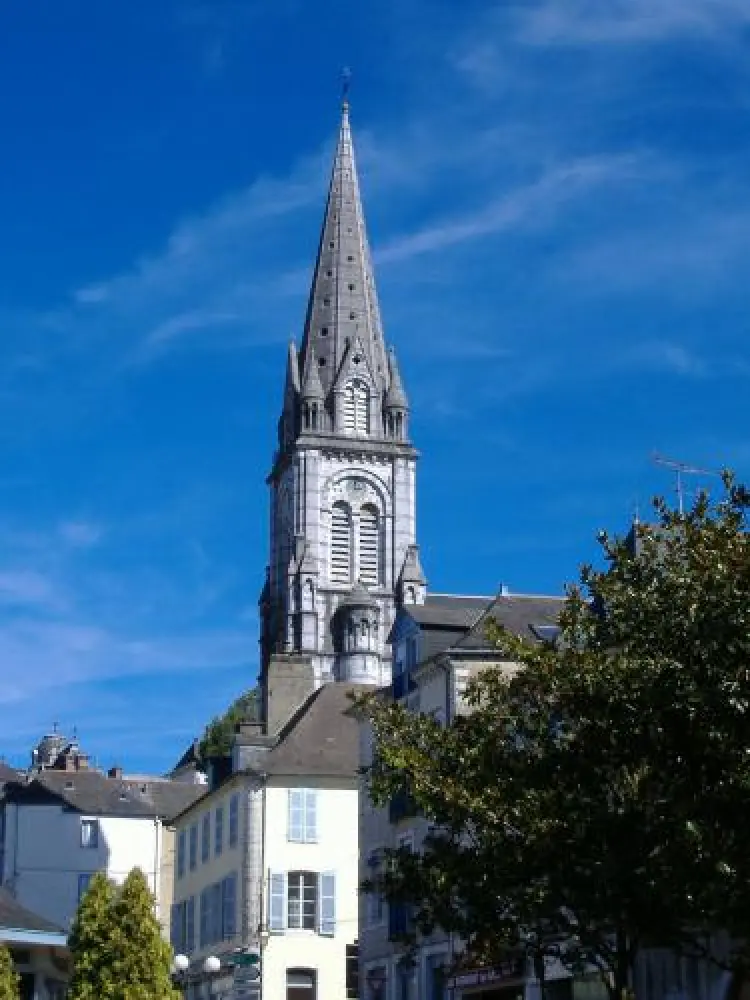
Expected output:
(342, 538)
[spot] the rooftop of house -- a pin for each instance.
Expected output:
(456, 622)
(7, 773)
(320, 739)
(97, 794)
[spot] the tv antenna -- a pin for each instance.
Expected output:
(680, 470)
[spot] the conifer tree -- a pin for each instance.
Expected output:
(143, 959)
(8, 976)
(93, 943)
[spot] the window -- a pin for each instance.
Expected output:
(369, 545)
(90, 833)
(356, 408)
(234, 820)
(183, 926)
(302, 900)
(181, 844)
(193, 847)
(341, 543)
(300, 984)
(352, 971)
(218, 916)
(303, 815)
(436, 966)
(219, 831)
(84, 881)
(206, 838)
(375, 905)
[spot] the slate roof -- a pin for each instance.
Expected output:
(451, 621)
(518, 613)
(13, 916)
(96, 794)
(7, 773)
(449, 610)
(320, 739)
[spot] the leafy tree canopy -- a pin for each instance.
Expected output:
(9, 978)
(592, 802)
(219, 733)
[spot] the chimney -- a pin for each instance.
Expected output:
(115, 772)
(288, 683)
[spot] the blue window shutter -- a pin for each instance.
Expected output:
(295, 829)
(190, 925)
(205, 896)
(229, 889)
(311, 815)
(277, 902)
(234, 820)
(216, 912)
(327, 897)
(181, 854)
(175, 927)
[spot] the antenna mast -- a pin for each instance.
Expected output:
(680, 469)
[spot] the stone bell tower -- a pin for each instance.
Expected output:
(342, 541)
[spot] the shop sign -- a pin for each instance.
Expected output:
(513, 968)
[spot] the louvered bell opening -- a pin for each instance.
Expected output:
(341, 544)
(356, 409)
(369, 545)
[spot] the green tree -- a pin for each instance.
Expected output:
(143, 959)
(93, 943)
(219, 733)
(591, 803)
(8, 976)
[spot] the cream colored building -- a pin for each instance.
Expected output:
(267, 862)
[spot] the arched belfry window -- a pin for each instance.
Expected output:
(369, 545)
(341, 543)
(356, 408)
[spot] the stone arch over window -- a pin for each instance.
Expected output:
(369, 544)
(341, 543)
(356, 407)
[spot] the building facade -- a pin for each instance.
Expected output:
(267, 862)
(343, 479)
(63, 822)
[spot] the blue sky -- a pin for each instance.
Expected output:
(558, 201)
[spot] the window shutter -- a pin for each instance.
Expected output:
(295, 827)
(190, 925)
(341, 543)
(277, 902)
(369, 545)
(175, 927)
(229, 888)
(311, 815)
(327, 897)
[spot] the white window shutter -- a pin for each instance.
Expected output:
(327, 905)
(295, 827)
(311, 815)
(277, 902)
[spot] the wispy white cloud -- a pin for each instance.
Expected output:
(81, 534)
(587, 22)
(534, 204)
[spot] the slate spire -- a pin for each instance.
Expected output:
(343, 305)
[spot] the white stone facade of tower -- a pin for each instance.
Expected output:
(343, 482)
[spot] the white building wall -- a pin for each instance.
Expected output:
(336, 850)
(44, 859)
